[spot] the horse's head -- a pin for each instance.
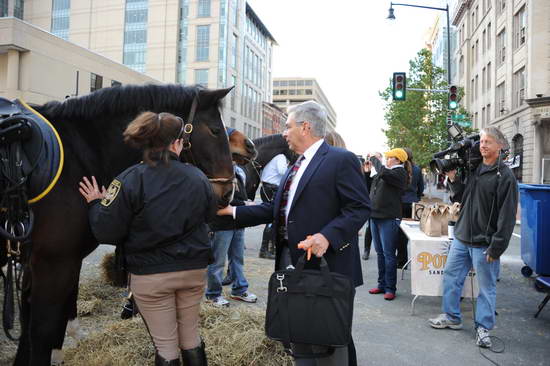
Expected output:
(242, 148)
(209, 145)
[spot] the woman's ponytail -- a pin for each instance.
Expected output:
(153, 133)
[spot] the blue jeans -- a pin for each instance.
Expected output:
(385, 234)
(227, 243)
(459, 262)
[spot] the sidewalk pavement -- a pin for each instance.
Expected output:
(386, 334)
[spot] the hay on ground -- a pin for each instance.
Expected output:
(234, 336)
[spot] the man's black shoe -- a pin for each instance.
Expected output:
(365, 256)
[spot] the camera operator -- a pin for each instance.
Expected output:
(482, 234)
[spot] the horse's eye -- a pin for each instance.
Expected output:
(215, 130)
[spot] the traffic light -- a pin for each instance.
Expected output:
(453, 97)
(399, 86)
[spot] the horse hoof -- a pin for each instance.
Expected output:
(57, 357)
(74, 330)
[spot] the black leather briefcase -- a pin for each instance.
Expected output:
(310, 307)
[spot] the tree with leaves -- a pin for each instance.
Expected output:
(419, 122)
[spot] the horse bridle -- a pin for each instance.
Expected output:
(185, 135)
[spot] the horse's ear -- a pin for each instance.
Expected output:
(212, 96)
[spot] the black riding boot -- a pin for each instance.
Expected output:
(159, 361)
(194, 357)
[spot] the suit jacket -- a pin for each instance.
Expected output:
(331, 199)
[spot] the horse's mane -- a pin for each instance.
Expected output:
(122, 100)
(269, 138)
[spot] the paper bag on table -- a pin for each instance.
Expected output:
(430, 222)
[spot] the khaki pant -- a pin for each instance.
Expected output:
(169, 303)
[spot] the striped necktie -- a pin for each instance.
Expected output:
(286, 190)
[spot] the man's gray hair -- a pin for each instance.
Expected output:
(313, 113)
(497, 134)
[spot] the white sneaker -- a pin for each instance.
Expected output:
(483, 338)
(246, 297)
(219, 301)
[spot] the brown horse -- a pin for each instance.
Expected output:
(91, 128)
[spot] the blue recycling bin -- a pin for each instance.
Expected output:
(535, 228)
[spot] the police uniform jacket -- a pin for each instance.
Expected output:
(158, 215)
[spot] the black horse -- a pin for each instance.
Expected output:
(91, 129)
(268, 147)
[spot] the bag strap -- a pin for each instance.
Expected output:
(325, 272)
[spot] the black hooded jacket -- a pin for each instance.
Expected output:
(158, 215)
(489, 204)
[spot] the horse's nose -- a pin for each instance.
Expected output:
(226, 198)
(251, 148)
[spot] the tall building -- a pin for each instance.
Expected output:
(37, 66)
(504, 66)
(274, 119)
(215, 43)
(437, 42)
(290, 91)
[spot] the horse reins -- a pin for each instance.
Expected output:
(187, 154)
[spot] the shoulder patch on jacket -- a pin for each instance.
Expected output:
(112, 192)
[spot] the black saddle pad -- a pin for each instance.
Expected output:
(42, 151)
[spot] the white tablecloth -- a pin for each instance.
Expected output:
(428, 256)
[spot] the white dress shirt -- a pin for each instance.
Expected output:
(308, 155)
(275, 170)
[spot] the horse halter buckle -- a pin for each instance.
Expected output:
(188, 128)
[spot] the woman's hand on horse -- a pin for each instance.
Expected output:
(90, 189)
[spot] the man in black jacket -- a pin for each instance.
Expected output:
(482, 234)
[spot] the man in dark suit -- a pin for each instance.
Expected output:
(322, 202)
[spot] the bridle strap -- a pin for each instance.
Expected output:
(187, 154)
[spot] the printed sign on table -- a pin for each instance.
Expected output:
(428, 263)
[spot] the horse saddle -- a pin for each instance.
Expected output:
(41, 147)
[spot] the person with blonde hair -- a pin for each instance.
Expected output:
(387, 188)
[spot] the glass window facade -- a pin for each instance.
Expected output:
(182, 41)
(222, 44)
(204, 8)
(96, 82)
(18, 9)
(61, 15)
(3, 8)
(135, 34)
(202, 42)
(201, 77)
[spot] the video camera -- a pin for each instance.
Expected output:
(462, 154)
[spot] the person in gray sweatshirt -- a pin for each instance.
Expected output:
(482, 234)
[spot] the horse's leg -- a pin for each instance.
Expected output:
(72, 329)
(24, 347)
(54, 281)
(73, 326)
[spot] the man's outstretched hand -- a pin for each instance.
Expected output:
(226, 211)
(317, 242)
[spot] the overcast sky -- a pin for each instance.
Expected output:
(352, 50)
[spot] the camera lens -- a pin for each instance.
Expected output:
(441, 166)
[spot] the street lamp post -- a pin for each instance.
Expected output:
(391, 16)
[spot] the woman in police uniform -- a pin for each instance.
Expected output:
(157, 210)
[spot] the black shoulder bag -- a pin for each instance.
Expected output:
(310, 307)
